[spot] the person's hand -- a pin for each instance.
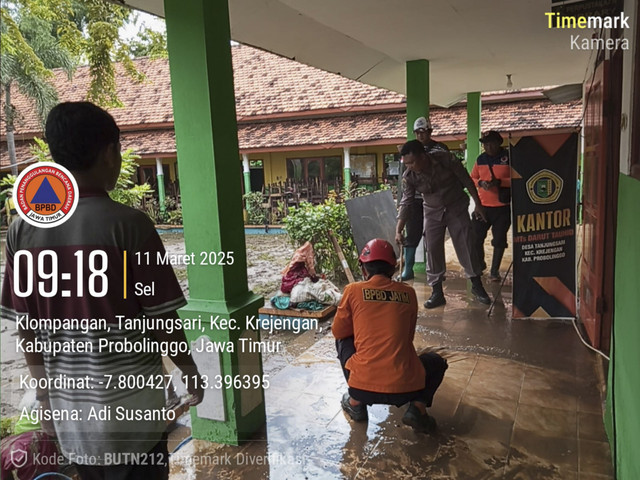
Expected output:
(399, 238)
(483, 184)
(479, 213)
(196, 391)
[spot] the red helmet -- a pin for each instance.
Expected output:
(378, 249)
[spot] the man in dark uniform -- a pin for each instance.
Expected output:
(441, 180)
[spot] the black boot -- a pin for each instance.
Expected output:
(478, 291)
(437, 297)
(495, 264)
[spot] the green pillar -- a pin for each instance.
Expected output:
(161, 193)
(198, 37)
(246, 170)
(474, 108)
(417, 92)
(418, 100)
(417, 78)
(347, 169)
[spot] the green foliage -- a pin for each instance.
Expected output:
(126, 191)
(38, 35)
(256, 213)
(42, 34)
(7, 425)
(8, 182)
(6, 186)
(175, 217)
(149, 43)
(15, 46)
(40, 150)
(104, 21)
(312, 223)
(172, 214)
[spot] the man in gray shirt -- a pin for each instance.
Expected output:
(441, 179)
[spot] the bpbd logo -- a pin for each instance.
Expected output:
(544, 187)
(46, 195)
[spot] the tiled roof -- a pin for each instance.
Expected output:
(366, 128)
(284, 104)
(362, 128)
(266, 84)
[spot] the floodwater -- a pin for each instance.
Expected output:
(522, 399)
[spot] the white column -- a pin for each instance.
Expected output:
(246, 173)
(160, 186)
(347, 169)
(245, 163)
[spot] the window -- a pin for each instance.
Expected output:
(295, 169)
(392, 165)
(332, 169)
(328, 169)
(363, 168)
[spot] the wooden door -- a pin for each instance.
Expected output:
(600, 193)
(593, 206)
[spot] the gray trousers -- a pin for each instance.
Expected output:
(456, 218)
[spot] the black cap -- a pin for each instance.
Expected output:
(492, 136)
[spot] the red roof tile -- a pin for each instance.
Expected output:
(275, 101)
(366, 128)
(266, 84)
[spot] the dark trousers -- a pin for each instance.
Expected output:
(154, 465)
(414, 224)
(499, 221)
(434, 368)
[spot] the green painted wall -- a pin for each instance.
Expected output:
(623, 397)
(474, 126)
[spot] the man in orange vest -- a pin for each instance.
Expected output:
(374, 328)
(492, 175)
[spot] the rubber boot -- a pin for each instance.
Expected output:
(409, 261)
(478, 290)
(495, 264)
(437, 297)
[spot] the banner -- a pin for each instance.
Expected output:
(543, 188)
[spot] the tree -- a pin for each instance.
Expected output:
(149, 43)
(23, 63)
(39, 35)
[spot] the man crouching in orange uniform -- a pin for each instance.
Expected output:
(374, 329)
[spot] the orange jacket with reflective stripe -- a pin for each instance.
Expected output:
(501, 170)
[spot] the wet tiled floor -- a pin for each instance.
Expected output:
(521, 400)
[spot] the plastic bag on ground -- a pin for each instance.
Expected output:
(323, 291)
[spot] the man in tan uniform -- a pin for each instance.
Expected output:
(441, 179)
(422, 129)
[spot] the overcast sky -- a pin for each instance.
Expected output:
(144, 19)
